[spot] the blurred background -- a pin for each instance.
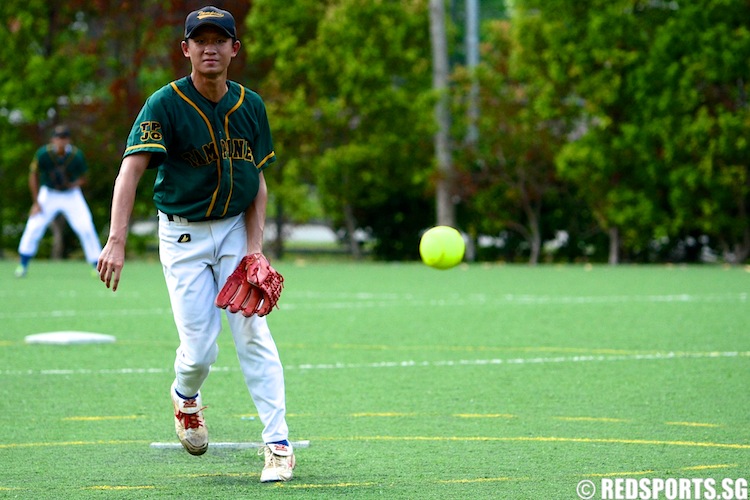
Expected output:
(545, 130)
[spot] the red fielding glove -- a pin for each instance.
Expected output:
(254, 287)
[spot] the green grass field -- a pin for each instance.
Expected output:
(478, 382)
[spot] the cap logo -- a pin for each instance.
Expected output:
(208, 14)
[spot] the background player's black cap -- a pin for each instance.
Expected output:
(210, 15)
(61, 131)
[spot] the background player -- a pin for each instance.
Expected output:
(210, 141)
(56, 175)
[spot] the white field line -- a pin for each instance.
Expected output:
(367, 300)
(408, 363)
(92, 313)
(363, 300)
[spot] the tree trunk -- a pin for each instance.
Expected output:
(472, 61)
(2, 219)
(278, 243)
(58, 237)
(739, 251)
(536, 243)
(614, 246)
(743, 249)
(446, 214)
(351, 228)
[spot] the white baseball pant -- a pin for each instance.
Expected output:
(197, 258)
(72, 205)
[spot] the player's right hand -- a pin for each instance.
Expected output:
(110, 264)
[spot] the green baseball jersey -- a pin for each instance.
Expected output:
(58, 171)
(208, 155)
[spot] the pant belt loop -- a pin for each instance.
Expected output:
(169, 217)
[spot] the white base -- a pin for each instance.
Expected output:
(67, 338)
(232, 446)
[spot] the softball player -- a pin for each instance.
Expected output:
(210, 142)
(56, 175)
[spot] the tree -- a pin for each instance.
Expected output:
(46, 68)
(350, 80)
(692, 101)
(84, 63)
(509, 173)
(653, 94)
(586, 51)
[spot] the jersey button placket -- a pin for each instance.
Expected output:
(225, 181)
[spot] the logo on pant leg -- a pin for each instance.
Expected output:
(184, 238)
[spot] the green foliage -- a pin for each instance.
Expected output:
(352, 102)
(50, 62)
(595, 115)
(508, 175)
(653, 94)
(44, 70)
(698, 112)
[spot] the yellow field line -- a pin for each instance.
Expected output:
(220, 474)
(106, 487)
(324, 485)
(484, 415)
(70, 443)
(99, 418)
(383, 414)
(644, 472)
(610, 474)
(705, 467)
(592, 419)
(95, 418)
(692, 424)
(482, 480)
(544, 439)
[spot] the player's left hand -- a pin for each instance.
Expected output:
(253, 288)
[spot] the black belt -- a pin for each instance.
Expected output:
(174, 218)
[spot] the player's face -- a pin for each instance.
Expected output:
(210, 51)
(59, 143)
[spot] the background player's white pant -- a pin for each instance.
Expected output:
(72, 205)
(194, 271)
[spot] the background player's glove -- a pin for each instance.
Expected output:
(59, 180)
(253, 288)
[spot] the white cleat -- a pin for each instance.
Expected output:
(279, 463)
(189, 424)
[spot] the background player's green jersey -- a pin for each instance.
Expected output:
(58, 171)
(208, 155)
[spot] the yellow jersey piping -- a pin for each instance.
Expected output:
(141, 146)
(268, 157)
(213, 140)
(226, 132)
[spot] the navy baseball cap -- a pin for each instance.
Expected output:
(61, 131)
(213, 16)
